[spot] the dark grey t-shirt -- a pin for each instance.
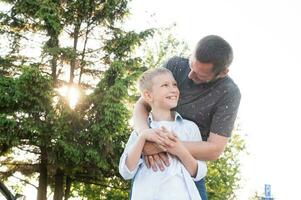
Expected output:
(212, 106)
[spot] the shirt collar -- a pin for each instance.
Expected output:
(178, 117)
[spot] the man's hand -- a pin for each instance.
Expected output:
(156, 161)
(154, 153)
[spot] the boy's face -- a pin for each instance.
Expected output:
(164, 93)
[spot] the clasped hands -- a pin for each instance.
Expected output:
(160, 141)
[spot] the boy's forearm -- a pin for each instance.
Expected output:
(134, 154)
(189, 162)
(140, 114)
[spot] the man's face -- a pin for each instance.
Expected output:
(200, 72)
(165, 92)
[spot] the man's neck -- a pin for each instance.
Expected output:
(162, 115)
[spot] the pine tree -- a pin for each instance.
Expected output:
(80, 43)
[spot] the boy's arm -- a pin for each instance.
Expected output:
(124, 170)
(188, 161)
(195, 136)
(196, 168)
(177, 148)
(134, 154)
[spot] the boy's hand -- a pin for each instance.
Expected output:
(156, 136)
(174, 146)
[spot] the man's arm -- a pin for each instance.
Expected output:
(141, 111)
(208, 150)
(202, 150)
(140, 114)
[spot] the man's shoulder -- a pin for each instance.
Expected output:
(229, 86)
(176, 62)
(179, 67)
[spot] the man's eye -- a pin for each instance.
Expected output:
(164, 85)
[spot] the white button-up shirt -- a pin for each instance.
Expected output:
(175, 181)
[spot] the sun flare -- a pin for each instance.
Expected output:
(71, 93)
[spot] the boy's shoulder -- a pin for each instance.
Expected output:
(190, 130)
(189, 123)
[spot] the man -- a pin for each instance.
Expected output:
(208, 96)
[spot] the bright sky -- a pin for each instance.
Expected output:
(266, 42)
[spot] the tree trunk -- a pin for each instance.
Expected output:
(54, 42)
(73, 60)
(42, 191)
(67, 188)
(59, 185)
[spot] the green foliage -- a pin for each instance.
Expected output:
(7, 93)
(24, 102)
(223, 175)
(255, 197)
(34, 91)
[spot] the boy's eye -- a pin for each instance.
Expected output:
(164, 85)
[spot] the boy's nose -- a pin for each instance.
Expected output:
(174, 90)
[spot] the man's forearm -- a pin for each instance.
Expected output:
(151, 148)
(207, 150)
(201, 150)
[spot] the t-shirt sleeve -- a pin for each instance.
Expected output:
(226, 112)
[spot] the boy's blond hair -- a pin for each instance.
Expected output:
(145, 80)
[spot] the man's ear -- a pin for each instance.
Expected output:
(147, 96)
(223, 73)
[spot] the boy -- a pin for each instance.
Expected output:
(159, 89)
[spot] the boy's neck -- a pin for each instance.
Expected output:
(162, 115)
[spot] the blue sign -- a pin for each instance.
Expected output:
(267, 190)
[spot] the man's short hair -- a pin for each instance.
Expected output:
(214, 49)
(145, 80)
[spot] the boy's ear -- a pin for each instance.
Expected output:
(147, 95)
